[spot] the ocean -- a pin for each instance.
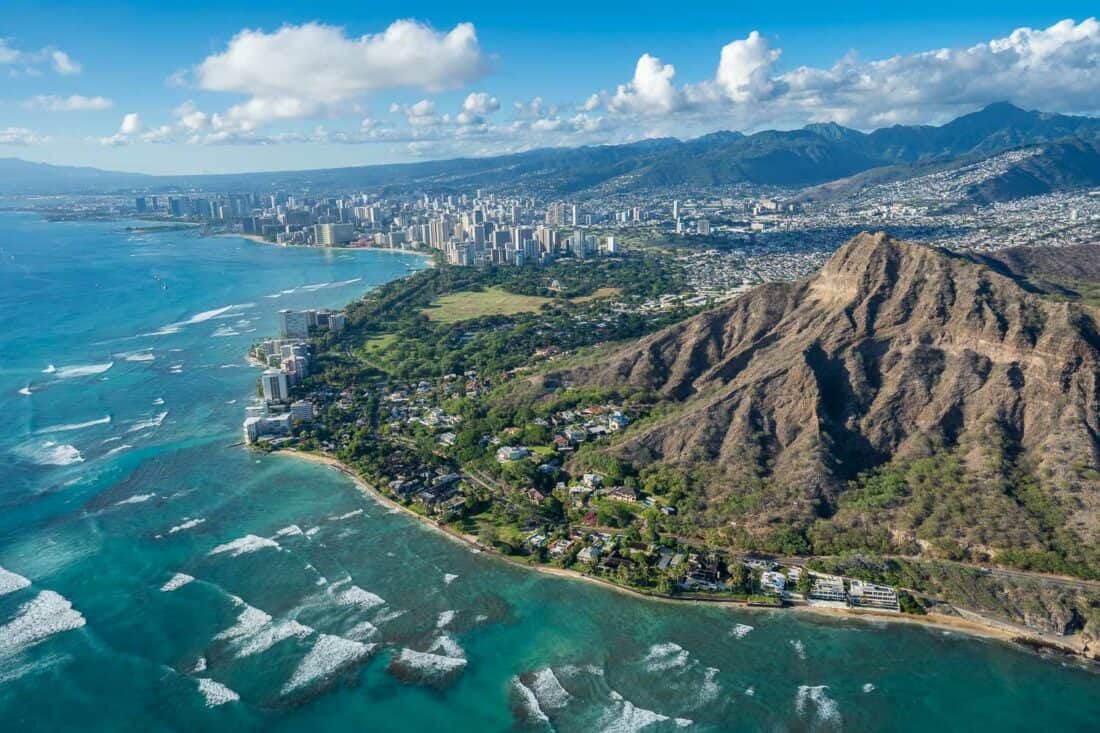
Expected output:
(156, 577)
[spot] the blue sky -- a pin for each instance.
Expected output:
(200, 86)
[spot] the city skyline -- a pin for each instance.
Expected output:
(224, 91)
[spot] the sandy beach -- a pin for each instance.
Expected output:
(984, 628)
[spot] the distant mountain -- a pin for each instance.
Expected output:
(21, 176)
(974, 398)
(816, 154)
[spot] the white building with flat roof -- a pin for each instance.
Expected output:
(274, 384)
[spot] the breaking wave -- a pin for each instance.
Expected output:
(329, 655)
(667, 656)
(80, 370)
(48, 614)
(824, 707)
(216, 693)
(11, 582)
(243, 545)
(176, 581)
(154, 422)
(187, 524)
(740, 631)
(136, 498)
(106, 420)
(50, 453)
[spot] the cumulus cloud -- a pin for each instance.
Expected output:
(1053, 69)
(72, 103)
(128, 130)
(32, 63)
(420, 114)
(651, 91)
(745, 68)
(476, 107)
(313, 69)
(21, 136)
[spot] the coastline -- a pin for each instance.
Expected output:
(260, 240)
(985, 629)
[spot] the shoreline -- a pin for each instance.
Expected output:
(260, 240)
(984, 629)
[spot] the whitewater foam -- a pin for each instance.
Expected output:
(348, 515)
(216, 693)
(740, 631)
(270, 634)
(153, 422)
(136, 498)
(242, 545)
(176, 581)
(824, 707)
(628, 717)
(354, 596)
(548, 689)
(47, 614)
(117, 449)
(328, 656)
(25, 391)
(81, 370)
(106, 420)
(249, 621)
(50, 453)
(449, 578)
(666, 656)
(448, 647)
(292, 530)
(868, 687)
(530, 700)
(444, 619)
(187, 524)
(11, 582)
(799, 648)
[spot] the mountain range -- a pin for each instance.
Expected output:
(1066, 156)
(903, 397)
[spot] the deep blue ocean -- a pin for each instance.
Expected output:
(157, 578)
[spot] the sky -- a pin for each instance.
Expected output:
(201, 87)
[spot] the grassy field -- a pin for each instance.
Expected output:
(495, 302)
(475, 304)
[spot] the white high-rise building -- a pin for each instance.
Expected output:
(274, 385)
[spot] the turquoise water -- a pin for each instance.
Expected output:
(313, 608)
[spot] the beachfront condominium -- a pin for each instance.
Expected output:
(293, 324)
(275, 386)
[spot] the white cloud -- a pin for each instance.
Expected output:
(191, 117)
(476, 107)
(32, 63)
(21, 136)
(128, 129)
(420, 114)
(72, 103)
(651, 91)
(64, 64)
(1052, 69)
(313, 69)
(745, 67)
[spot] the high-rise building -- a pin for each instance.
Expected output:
(329, 235)
(274, 385)
(293, 324)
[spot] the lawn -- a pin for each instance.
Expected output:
(496, 302)
(475, 304)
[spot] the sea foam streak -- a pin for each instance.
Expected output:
(81, 370)
(11, 582)
(136, 498)
(48, 614)
(176, 581)
(106, 420)
(153, 422)
(328, 656)
(243, 545)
